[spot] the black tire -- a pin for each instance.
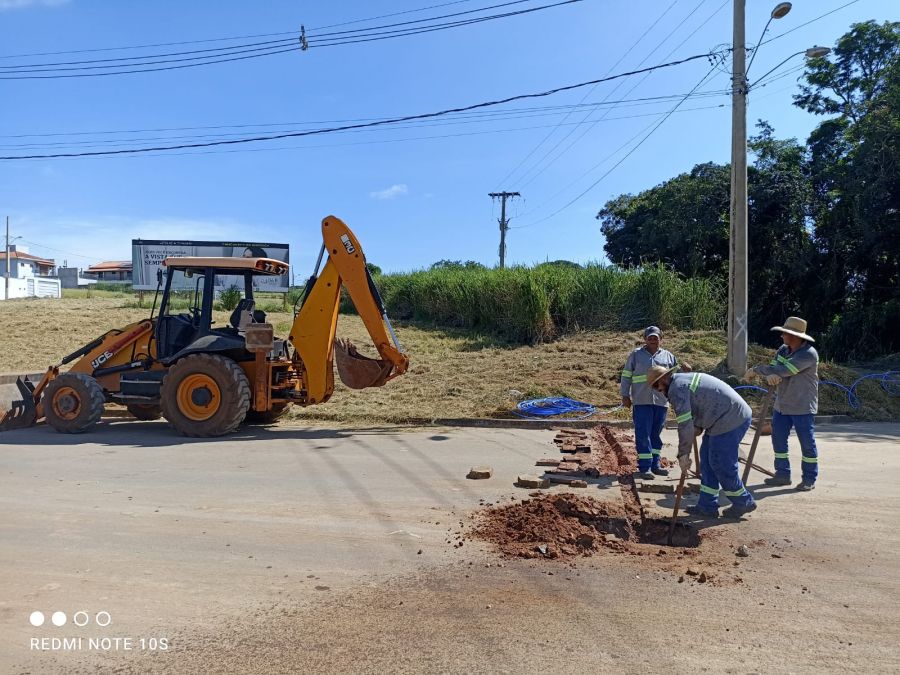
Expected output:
(205, 395)
(144, 411)
(73, 403)
(269, 416)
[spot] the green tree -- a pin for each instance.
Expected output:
(854, 171)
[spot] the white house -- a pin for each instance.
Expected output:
(29, 276)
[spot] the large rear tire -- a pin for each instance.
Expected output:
(73, 403)
(267, 416)
(146, 412)
(205, 395)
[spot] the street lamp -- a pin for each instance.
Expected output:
(736, 359)
(6, 280)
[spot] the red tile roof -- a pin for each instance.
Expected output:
(27, 256)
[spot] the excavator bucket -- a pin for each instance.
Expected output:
(358, 371)
(22, 413)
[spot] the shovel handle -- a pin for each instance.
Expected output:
(678, 494)
(763, 414)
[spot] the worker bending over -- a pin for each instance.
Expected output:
(705, 403)
(648, 407)
(794, 371)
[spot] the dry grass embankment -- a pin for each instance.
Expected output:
(454, 373)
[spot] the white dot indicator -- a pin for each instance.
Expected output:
(103, 618)
(36, 618)
(58, 618)
(80, 618)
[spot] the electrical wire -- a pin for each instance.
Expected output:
(656, 126)
(232, 38)
(455, 120)
(363, 125)
(137, 64)
(802, 25)
(587, 129)
(588, 93)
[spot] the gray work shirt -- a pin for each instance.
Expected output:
(798, 392)
(704, 401)
(634, 376)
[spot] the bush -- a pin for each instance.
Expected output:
(229, 298)
(535, 304)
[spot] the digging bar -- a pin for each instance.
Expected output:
(763, 414)
(678, 500)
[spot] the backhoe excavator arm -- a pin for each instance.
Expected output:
(313, 331)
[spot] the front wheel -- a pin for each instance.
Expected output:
(205, 395)
(73, 403)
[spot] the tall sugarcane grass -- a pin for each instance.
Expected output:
(534, 304)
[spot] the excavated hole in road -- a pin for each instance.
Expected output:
(566, 526)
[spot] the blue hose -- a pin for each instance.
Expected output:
(890, 383)
(557, 405)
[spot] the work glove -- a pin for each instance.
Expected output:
(750, 375)
(684, 461)
(773, 380)
(626, 401)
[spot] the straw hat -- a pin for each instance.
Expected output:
(794, 326)
(656, 372)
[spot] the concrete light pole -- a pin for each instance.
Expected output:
(736, 359)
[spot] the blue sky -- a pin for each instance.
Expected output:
(413, 195)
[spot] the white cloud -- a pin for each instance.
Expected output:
(21, 4)
(391, 192)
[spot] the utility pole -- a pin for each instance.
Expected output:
(737, 259)
(504, 223)
(6, 286)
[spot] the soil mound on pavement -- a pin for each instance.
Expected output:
(566, 526)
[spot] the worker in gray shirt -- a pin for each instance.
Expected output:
(795, 373)
(648, 408)
(703, 403)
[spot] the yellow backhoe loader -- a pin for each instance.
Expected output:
(206, 379)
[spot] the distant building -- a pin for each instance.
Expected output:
(24, 265)
(113, 270)
(30, 276)
(71, 277)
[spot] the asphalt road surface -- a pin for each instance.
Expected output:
(319, 550)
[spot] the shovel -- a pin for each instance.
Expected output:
(22, 413)
(678, 500)
(358, 371)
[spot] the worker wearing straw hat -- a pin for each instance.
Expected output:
(703, 403)
(794, 373)
(648, 407)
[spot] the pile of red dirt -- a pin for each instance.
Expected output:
(565, 526)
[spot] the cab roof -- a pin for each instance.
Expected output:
(265, 266)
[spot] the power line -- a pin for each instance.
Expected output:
(473, 117)
(137, 64)
(225, 39)
(489, 131)
(802, 25)
(588, 93)
(396, 140)
(586, 130)
(627, 155)
(365, 124)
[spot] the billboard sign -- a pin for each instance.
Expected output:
(147, 256)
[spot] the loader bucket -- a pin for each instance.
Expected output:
(22, 413)
(358, 371)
